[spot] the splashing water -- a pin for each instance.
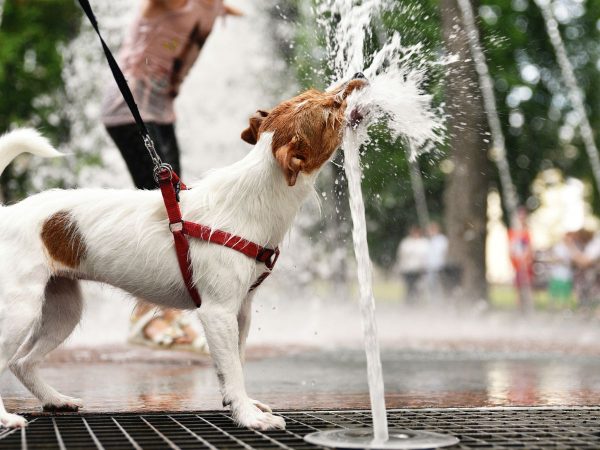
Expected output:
(394, 95)
(347, 40)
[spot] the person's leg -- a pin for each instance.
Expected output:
(554, 289)
(168, 145)
(129, 142)
(433, 286)
(568, 290)
(410, 280)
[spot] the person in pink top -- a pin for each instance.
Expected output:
(158, 52)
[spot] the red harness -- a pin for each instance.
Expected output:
(170, 185)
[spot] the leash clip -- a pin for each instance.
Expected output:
(149, 144)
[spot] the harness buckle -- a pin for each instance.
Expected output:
(268, 257)
(176, 226)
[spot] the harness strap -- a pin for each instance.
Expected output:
(261, 254)
(259, 281)
(168, 182)
(169, 186)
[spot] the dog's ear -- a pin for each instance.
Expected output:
(290, 161)
(250, 134)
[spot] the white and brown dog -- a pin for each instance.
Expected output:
(121, 237)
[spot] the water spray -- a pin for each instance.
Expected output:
(393, 95)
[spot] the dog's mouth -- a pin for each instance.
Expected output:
(356, 118)
(358, 82)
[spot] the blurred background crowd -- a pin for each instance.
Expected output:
(564, 275)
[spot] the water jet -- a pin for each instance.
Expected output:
(393, 95)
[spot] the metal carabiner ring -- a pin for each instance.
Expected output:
(158, 169)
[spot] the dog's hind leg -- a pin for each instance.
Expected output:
(20, 310)
(61, 312)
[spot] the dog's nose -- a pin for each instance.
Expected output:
(359, 75)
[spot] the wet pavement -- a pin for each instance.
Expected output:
(120, 379)
(433, 357)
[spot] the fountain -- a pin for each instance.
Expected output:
(394, 95)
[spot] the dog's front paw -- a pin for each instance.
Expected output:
(64, 404)
(12, 421)
(251, 416)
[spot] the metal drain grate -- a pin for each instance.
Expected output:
(530, 428)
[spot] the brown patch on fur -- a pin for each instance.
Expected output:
(63, 240)
(307, 129)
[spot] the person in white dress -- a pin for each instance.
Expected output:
(412, 262)
(436, 261)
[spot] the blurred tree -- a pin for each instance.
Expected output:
(467, 183)
(32, 35)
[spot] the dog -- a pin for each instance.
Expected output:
(51, 240)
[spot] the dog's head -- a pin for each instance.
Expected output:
(307, 129)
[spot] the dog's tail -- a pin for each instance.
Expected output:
(24, 140)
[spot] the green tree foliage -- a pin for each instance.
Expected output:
(532, 98)
(32, 34)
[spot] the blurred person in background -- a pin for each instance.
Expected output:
(436, 259)
(584, 246)
(521, 257)
(159, 49)
(412, 262)
(560, 283)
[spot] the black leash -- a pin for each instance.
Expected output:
(124, 88)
